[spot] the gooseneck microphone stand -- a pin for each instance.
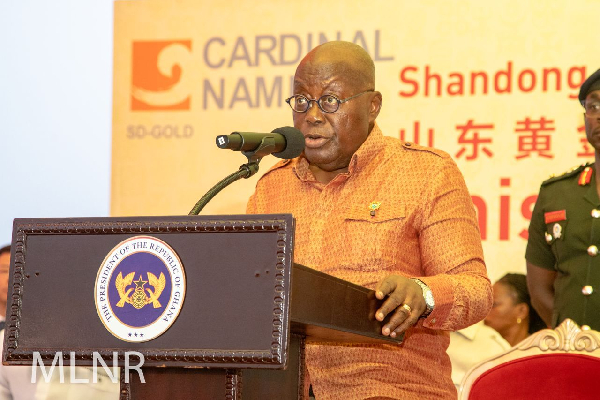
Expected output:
(266, 147)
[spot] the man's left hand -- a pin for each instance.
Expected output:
(404, 304)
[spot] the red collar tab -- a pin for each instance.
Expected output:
(585, 177)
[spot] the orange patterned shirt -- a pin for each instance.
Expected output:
(424, 227)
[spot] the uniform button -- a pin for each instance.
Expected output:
(592, 250)
(548, 237)
(595, 213)
(585, 327)
(587, 290)
(433, 321)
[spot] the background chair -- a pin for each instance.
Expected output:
(561, 363)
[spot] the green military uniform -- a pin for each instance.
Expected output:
(564, 236)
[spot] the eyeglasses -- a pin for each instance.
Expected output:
(592, 109)
(328, 103)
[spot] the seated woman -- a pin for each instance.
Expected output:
(512, 314)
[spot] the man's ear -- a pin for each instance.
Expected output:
(375, 107)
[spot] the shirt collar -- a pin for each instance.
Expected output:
(362, 157)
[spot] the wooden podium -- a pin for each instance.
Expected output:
(247, 314)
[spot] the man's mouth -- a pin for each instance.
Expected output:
(314, 141)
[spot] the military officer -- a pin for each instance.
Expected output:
(563, 260)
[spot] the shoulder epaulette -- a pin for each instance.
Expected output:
(584, 171)
(415, 146)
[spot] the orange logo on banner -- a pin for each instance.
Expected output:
(159, 78)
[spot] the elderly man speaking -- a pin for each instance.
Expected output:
(392, 216)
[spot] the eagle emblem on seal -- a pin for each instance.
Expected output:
(139, 298)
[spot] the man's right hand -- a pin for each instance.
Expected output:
(404, 303)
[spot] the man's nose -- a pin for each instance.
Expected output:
(314, 114)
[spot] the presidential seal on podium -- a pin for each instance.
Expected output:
(140, 289)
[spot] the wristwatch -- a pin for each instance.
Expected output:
(427, 295)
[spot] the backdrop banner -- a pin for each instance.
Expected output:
(494, 84)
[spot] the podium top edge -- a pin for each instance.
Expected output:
(148, 218)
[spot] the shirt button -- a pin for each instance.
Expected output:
(595, 213)
(433, 321)
(587, 290)
(585, 327)
(592, 250)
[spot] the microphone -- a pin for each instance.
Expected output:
(286, 142)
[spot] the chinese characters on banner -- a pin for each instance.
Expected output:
(475, 139)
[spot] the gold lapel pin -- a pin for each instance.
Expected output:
(374, 206)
